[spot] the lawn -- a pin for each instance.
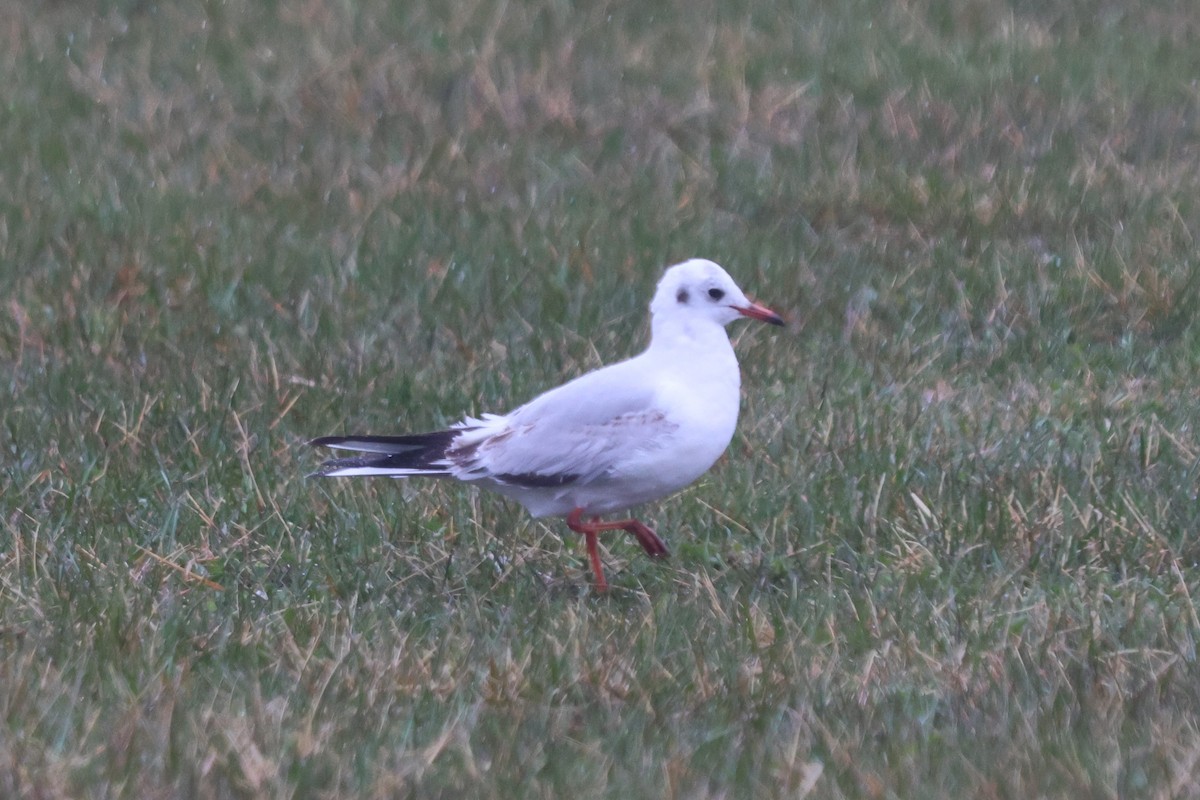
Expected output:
(952, 551)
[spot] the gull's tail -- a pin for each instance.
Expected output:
(394, 456)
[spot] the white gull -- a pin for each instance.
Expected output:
(606, 441)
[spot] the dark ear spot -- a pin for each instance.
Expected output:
(682, 297)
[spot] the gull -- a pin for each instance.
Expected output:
(606, 441)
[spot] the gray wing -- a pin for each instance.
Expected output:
(581, 431)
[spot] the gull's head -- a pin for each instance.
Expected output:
(700, 290)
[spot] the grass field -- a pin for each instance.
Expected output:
(952, 552)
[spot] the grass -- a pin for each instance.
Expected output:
(952, 551)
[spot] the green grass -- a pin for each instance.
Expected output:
(952, 551)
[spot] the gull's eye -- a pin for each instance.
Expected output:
(716, 294)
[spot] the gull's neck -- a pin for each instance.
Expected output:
(694, 336)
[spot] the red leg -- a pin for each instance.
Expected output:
(654, 546)
(594, 554)
(589, 530)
